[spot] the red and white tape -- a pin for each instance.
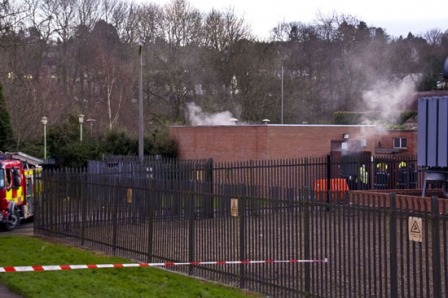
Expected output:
(166, 264)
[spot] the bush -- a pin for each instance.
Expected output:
(118, 143)
(162, 143)
(65, 147)
(344, 117)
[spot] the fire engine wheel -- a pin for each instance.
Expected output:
(13, 221)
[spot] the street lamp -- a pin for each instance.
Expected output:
(140, 105)
(90, 120)
(44, 121)
(282, 91)
(81, 120)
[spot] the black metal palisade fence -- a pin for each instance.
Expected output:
(186, 211)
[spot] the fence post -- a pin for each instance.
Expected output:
(83, 203)
(37, 198)
(151, 201)
(393, 247)
(242, 216)
(328, 179)
(306, 173)
(208, 204)
(115, 222)
(307, 242)
(191, 244)
(436, 271)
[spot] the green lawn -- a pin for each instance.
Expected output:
(122, 282)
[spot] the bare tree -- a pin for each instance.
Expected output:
(108, 76)
(181, 24)
(38, 20)
(30, 86)
(62, 15)
(88, 12)
(120, 15)
(150, 23)
(5, 13)
(28, 72)
(173, 55)
(214, 30)
(61, 57)
(12, 15)
(433, 36)
(224, 29)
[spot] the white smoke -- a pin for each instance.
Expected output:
(389, 99)
(197, 117)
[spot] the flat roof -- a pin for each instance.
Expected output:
(279, 125)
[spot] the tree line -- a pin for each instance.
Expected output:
(61, 58)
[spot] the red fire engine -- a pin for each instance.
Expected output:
(16, 191)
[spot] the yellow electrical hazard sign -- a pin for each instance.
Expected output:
(234, 207)
(415, 229)
(129, 196)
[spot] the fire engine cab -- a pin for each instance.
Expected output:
(16, 191)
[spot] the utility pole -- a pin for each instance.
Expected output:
(140, 105)
(281, 117)
(44, 122)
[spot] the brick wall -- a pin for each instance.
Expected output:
(222, 143)
(260, 142)
(386, 140)
(314, 140)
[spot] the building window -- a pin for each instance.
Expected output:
(400, 143)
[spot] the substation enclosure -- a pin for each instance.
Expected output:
(432, 153)
(433, 132)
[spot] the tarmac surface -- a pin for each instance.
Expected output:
(6, 293)
(25, 229)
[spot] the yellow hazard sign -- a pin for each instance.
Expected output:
(415, 229)
(234, 207)
(129, 196)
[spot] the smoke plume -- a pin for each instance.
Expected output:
(197, 117)
(389, 99)
(386, 101)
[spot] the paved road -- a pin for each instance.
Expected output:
(5, 293)
(25, 229)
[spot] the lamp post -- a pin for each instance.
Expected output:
(81, 120)
(282, 91)
(44, 121)
(90, 120)
(140, 105)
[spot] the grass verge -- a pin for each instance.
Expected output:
(123, 282)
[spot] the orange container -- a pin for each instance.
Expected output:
(338, 189)
(336, 184)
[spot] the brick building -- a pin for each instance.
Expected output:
(273, 142)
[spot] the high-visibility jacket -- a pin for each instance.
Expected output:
(363, 174)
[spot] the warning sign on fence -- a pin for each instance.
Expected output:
(234, 207)
(129, 196)
(415, 229)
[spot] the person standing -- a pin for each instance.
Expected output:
(363, 177)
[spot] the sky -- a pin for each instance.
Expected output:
(397, 17)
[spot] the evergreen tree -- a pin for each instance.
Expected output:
(5, 125)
